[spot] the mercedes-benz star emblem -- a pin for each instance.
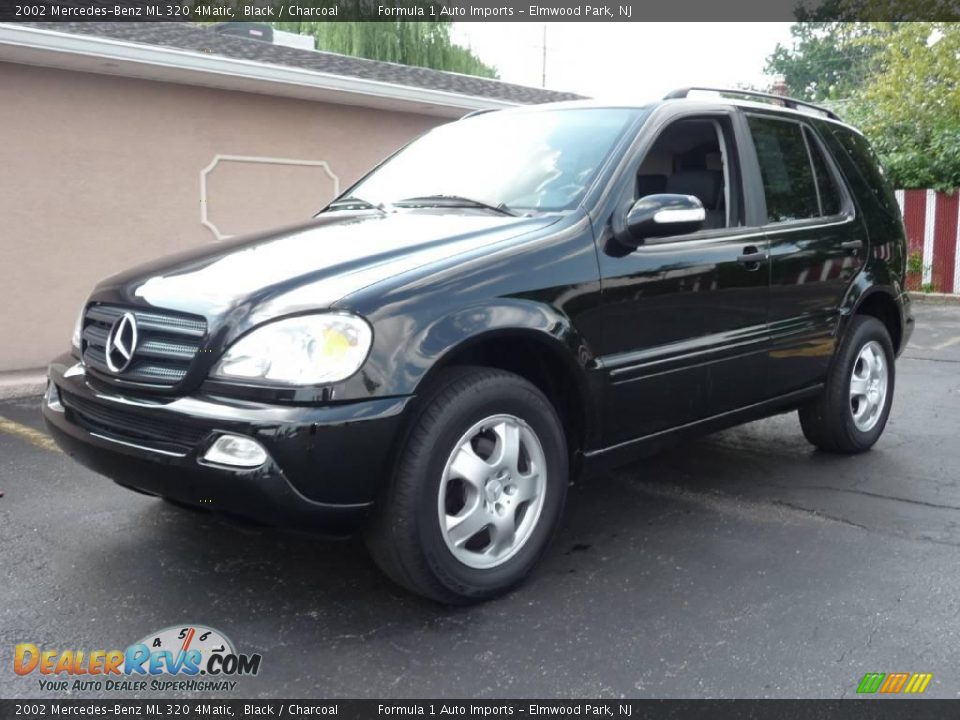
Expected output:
(121, 343)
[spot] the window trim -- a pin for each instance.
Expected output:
(847, 208)
(727, 182)
(813, 169)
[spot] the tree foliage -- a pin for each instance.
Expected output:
(826, 59)
(909, 106)
(424, 44)
(899, 82)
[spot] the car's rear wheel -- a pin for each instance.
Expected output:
(478, 490)
(851, 413)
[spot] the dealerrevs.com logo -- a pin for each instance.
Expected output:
(185, 658)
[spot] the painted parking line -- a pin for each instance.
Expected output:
(944, 345)
(34, 437)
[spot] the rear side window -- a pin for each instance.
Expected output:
(797, 182)
(868, 167)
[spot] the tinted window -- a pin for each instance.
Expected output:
(785, 167)
(829, 193)
(868, 167)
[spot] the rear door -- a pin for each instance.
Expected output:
(816, 244)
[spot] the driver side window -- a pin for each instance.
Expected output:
(694, 156)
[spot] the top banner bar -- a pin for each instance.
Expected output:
(473, 10)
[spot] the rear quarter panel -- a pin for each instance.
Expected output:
(884, 269)
(885, 264)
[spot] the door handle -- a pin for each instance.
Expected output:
(852, 244)
(751, 256)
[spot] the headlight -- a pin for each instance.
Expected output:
(305, 350)
(78, 327)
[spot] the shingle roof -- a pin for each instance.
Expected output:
(184, 36)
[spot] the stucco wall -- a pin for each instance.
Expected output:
(99, 173)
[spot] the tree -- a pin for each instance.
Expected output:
(826, 59)
(831, 53)
(897, 81)
(909, 107)
(424, 44)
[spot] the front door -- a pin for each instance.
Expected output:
(685, 318)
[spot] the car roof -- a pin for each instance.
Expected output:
(715, 98)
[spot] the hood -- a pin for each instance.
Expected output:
(311, 266)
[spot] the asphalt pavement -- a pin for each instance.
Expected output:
(744, 564)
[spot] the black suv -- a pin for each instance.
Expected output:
(513, 298)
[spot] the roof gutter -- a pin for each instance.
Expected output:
(89, 53)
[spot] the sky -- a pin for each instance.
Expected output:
(626, 61)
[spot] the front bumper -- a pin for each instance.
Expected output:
(324, 470)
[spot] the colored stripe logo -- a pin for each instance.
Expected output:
(892, 683)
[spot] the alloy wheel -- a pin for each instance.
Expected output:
(492, 491)
(868, 386)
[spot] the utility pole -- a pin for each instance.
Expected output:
(543, 78)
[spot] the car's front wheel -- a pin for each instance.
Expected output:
(478, 490)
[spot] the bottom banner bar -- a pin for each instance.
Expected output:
(880, 709)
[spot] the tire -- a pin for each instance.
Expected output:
(837, 421)
(411, 535)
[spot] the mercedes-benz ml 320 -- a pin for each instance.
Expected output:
(512, 299)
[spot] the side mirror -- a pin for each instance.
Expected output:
(664, 215)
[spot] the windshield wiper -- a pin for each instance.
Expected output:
(352, 202)
(453, 201)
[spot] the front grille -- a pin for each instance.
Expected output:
(126, 425)
(166, 345)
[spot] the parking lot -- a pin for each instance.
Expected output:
(744, 564)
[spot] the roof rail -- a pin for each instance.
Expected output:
(789, 102)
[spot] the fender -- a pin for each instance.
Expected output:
(546, 283)
(505, 322)
(875, 277)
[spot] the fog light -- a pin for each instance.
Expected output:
(53, 397)
(237, 451)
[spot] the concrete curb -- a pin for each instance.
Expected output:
(22, 383)
(935, 298)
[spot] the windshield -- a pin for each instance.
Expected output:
(533, 161)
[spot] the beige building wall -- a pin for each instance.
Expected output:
(99, 173)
